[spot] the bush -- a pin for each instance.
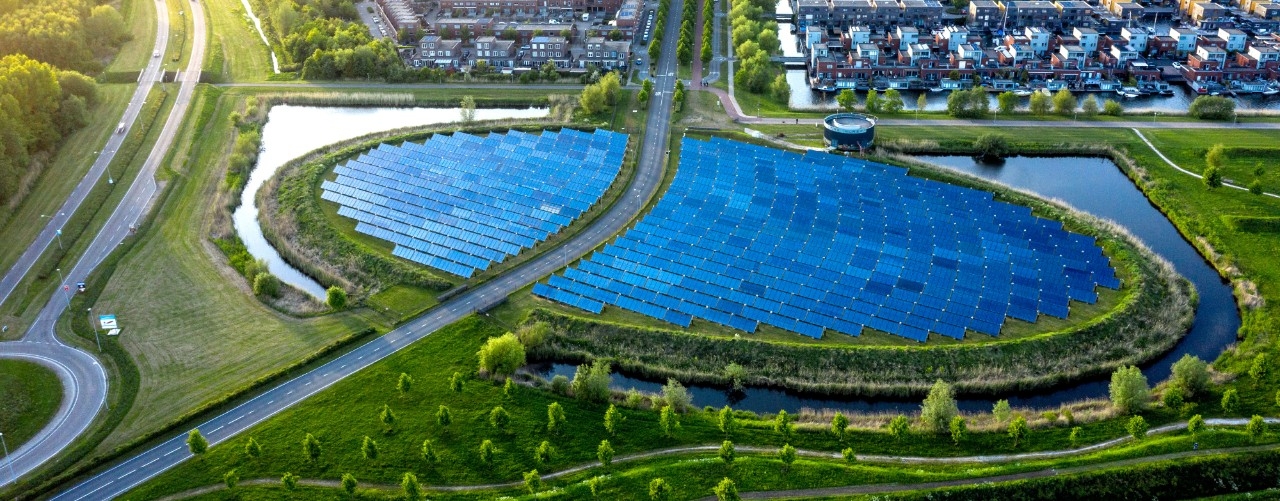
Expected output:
(1113, 108)
(501, 355)
(991, 146)
(939, 407)
(1191, 374)
(1212, 177)
(591, 382)
(560, 384)
(676, 396)
(336, 297)
(1213, 108)
(1129, 390)
(266, 284)
(968, 103)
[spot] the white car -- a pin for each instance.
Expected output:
(155, 54)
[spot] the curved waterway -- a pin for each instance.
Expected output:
(292, 131)
(1093, 185)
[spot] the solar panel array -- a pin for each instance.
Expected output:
(748, 235)
(461, 203)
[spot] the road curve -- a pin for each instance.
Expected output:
(84, 379)
(131, 472)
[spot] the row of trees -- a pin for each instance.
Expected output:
(754, 41)
(659, 29)
(684, 46)
(708, 31)
(39, 105)
(69, 34)
(891, 102)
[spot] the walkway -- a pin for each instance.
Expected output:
(1185, 171)
(831, 491)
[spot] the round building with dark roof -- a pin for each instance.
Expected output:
(849, 131)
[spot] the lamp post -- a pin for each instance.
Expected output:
(95, 330)
(59, 230)
(8, 459)
(63, 285)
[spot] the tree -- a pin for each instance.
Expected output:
(1258, 369)
(1039, 104)
(612, 418)
(501, 355)
(591, 382)
(1137, 427)
(646, 90)
(1212, 177)
(1064, 103)
(1255, 187)
(595, 484)
(1006, 102)
(604, 452)
(849, 456)
(659, 490)
(891, 102)
(455, 382)
(311, 447)
(921, 102)
(1173, 398)
(968, 103)
(1195, 425)
(230, 479)
(726, 421)
(1090, 106)
(1113, 108)
(780, 90)
(508, 388)
(252, 448)
(846, 99)
(467, 109)
(991, 146)
(1256, 427)
(404, 384)
(726, 490)
(555, 417)
(1129, 390)
(289, 481)
(612, 86)
(1018, 429)
(410, 485)
(873, 102)
(1075, 436)
(727, 452)
(549, 71)
(838, 425)
(782, 424)
(486, 451)
(1231, 401)
(532, 481)
(349, 484)
(369, 449)
(1212, 108)
(196, 443)
(387, 417)
(592, 100)
(1216, 157)
(336, 297)
(266, 285)
(675, 395)
(1001, 410)
(958, 429)
(788, 455)
(899, 426)
(429, 452)
(443, 416)
(544, 453)
(939, 407)
(499, 418)
(1191, 374)
(668, 422)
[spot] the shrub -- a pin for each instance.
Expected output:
(266, 284)
(939, 407)
(676, 396)
(1173, 397)
(336, 297)
(839, 425)
(899, 426)
(604, 452)
(560, 384)
(991, 146)
(668, 422)
(1129, 391)
(726, 490)
(1137, 427)
(1001, 410)
(1113, 108)
(1212, 177)
(958, 429)
(1230, 401)
(1018, 429)
(556, 417)
(1191, 374)
(501, 355)
(1213, 108)
(349, 484)
(591, 382)
(487, 451)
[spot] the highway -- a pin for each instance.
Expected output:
(84, 380)
(137, 469)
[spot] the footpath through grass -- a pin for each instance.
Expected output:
(235, 44)
(134, 54)
(29, 397)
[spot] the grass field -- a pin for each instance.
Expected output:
(134, 54)
(246, 57)
(29, 396)
(484, 96)
(343, 414)
(193, 330)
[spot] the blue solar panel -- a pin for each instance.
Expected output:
(460, 203)
(748, 235)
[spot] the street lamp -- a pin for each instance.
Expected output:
(59, 230)
(95, 330)
(66, 290)
(8, 459)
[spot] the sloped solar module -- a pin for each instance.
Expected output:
(749, 235)
(461, 203)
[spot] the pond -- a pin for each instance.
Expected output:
(1093, 185)
(292, 131)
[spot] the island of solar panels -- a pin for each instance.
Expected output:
(749, 235)
(461, 203)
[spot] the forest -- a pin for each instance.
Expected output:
(69, 34)
(320, 40)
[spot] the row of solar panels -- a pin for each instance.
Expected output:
(486, 205)
(686, 260)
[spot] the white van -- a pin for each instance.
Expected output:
(120, 129)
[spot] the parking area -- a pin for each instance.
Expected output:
(369, 15)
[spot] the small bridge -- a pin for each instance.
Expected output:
(789, 61)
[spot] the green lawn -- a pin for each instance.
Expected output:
(194, 331)
(29, 396)
(141, 16)
(246, 58)
(402, 302)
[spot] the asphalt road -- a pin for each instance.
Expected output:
(83, 379)
(653, 152)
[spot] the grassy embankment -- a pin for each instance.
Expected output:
(134, 54)
(342, 415)
(29, 396)
(235, 53)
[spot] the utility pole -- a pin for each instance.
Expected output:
(8, 459)
(95, 330)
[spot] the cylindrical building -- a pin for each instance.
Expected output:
(849, 131)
